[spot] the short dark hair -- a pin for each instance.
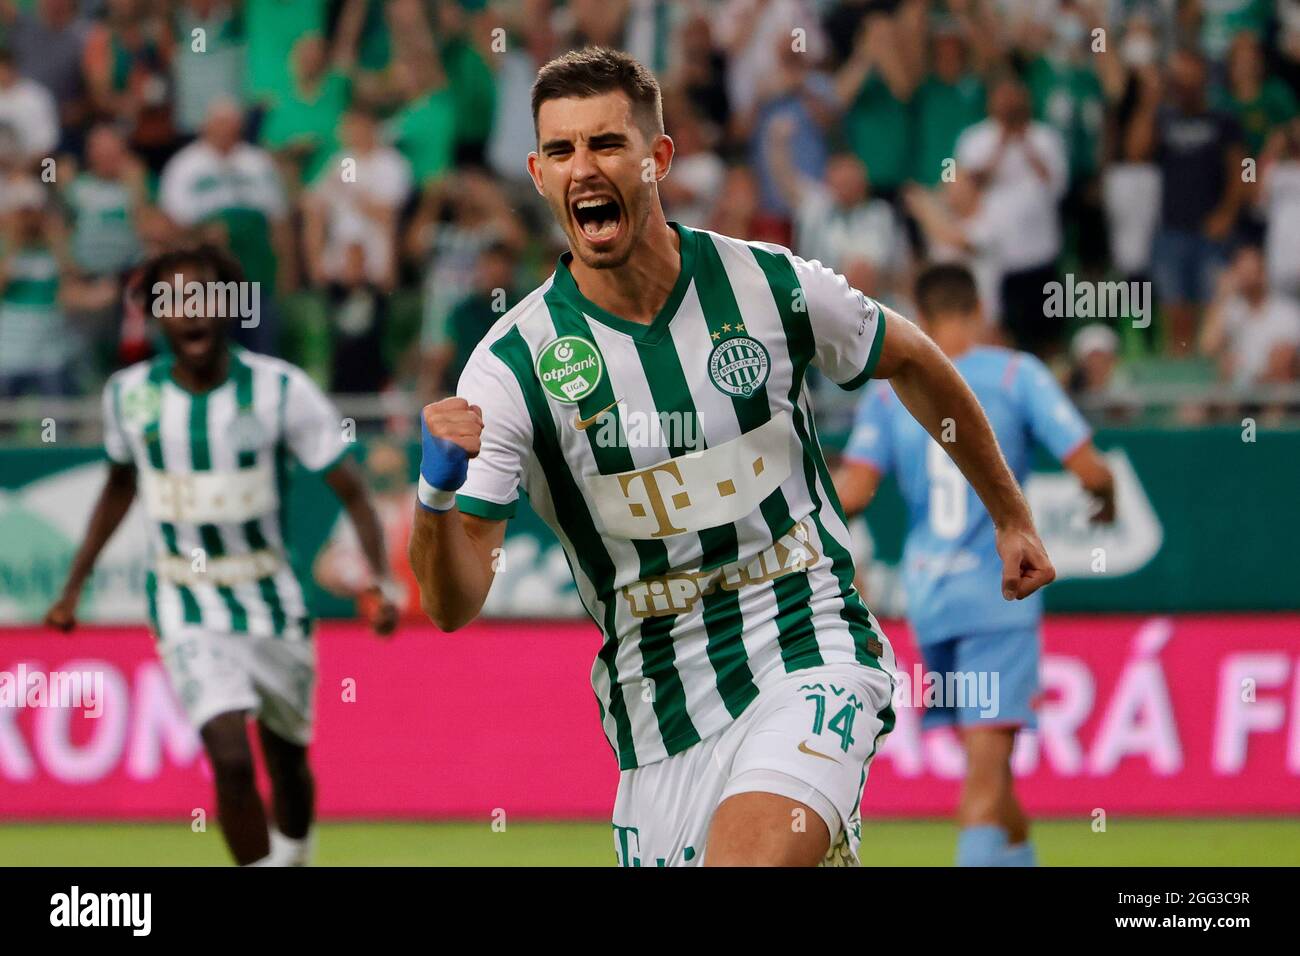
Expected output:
(166, 265)
(595, 70)
(946, 289)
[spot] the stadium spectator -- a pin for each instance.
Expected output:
(424, 129)
(128, 71)
(796, 95)
(28, 113)
(36, 350)
(1258, 101)
(300, 126)
(272, 28)
(735, 213)
(950, 98)
(228, 192)
(837, 222)
(753, 34)
(1250, 330)
(698, 170)
(106, 204)
(1020, 166)
(47, 43)
(1279, 196)
(494, 294)
(956, 227)
(1067, 95)
(701, 71)
(874, 87)
(1131, 183)
(351, 214)
(208, 62)
(457, 219)
(1199, 152)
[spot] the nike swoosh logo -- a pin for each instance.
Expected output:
(582, 424)
(805, 749)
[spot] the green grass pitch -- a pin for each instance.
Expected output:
(1126, 842)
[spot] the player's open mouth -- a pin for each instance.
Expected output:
(598, 217)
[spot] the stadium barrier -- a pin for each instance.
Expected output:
(1193, 715)
(1207, 522)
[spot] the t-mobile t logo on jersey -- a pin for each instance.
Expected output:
(133, 910)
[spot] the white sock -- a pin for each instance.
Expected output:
(286, 851)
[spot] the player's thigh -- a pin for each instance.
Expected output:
(283, 672)
(209, 672)
(810, 744)
(758, 828)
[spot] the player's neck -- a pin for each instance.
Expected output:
(205, 377)
(953, 340)
(636, 290)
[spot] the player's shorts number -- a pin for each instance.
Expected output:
(947, 493)
(841, 724)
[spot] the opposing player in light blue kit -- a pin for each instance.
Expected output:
(956, 584)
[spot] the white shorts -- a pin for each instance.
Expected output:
(273, 677)
(809, 736)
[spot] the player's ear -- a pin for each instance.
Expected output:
(662, 151)
(535, 171)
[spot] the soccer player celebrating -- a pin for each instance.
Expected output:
(652, 399)
(954, 558)
(203, 436)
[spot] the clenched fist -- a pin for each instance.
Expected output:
(450, 432)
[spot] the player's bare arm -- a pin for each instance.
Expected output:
(931, 389)
(1087, 464)
(345, 481)
(113, 504)
(451, 553)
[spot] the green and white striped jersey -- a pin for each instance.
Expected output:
(679, 466)
(212, 473)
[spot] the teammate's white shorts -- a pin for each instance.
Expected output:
(273, 677)
(809, 736)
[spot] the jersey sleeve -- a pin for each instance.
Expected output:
(313, 429)
(1053, 420)
(848, 327)
(491, 488)
(115, 444)
(871, 441)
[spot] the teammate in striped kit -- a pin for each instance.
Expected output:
(203, 437)
(742, 683)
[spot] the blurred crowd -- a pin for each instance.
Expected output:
(364, 161)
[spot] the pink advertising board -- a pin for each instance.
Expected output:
(1192, 715)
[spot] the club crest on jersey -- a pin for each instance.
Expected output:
(142, 405)
(739, 366)
(246, 433)
(569, 369)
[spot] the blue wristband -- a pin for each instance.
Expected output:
(443, 467)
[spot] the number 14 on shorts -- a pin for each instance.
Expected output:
(843, 706)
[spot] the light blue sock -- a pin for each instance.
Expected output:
(1020, 854)
(984, 845)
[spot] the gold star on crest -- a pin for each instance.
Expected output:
(740, 327)
(716, 336)
(726, 326)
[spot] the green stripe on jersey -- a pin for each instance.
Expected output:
(795, 633)
(572, 515)
(210, 534)
(655, 633)
(783, 282)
